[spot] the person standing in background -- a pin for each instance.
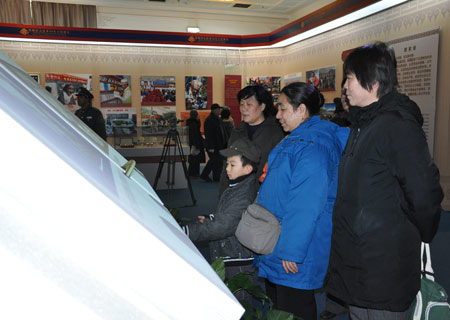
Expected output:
(227, 122)
(215, 141)
(91, 116)
(197, 153)
(389, 195)
(258, 125)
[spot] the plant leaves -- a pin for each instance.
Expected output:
(219, 267)
(250, 312)
(239, 282)
(279, 315)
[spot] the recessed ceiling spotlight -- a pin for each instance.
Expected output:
(193, 29)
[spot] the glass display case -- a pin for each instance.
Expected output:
(146, 136)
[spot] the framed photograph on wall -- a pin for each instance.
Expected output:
(115, 91)
(158, 91)
(271, 84)
(327, 79)
(198, 92)
(324, 78)
(64, 86)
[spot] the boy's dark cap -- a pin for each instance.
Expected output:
(243, 147)
(215, 106)
(83, 92)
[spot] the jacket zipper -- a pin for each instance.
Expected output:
(355, 140)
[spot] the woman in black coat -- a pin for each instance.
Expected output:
(197, 154)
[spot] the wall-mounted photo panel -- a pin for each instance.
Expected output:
(327, 79)
(324, 79)
(272, 84)
(157, 117)
(312, 77)
(198, 92)
(64, 87)
(158, 91)
(293, 77)
(119, 119)
(115, 91)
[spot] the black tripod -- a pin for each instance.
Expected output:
(174, 136)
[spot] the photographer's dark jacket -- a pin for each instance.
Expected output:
(388, 201)
(220, 232)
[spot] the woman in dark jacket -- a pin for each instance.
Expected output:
(258, 124)
(389, 195)
(197, 155)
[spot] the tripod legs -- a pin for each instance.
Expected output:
(173, 135)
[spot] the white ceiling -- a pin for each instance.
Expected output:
(275, 9)
(256, 7)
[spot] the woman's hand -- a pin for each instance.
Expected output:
(289, 266)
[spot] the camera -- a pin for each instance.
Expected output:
(173, 122)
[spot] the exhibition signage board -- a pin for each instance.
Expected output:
(417, 61)
(233, 84)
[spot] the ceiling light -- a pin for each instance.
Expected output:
(360, 14)
(193, 29)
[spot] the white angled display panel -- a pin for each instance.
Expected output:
(78, 238)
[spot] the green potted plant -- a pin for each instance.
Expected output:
(242, 281)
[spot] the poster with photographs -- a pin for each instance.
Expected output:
(198, 92)
(115, 91)
(157, 117)
(120, 120)
(272, 84)
(158, 91)
(294, 77)
(324, 79)
(64, 86)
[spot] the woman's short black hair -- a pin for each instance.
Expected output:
(300, 92)
(373, 63)
(261, 95)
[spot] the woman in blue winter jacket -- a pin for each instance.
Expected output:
(300, 190)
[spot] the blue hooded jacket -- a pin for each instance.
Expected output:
(300, 190)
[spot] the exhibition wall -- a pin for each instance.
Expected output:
(322, 51)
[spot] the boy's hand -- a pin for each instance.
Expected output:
(201, 218)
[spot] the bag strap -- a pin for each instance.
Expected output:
(427, 270)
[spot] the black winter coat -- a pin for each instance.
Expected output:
(266, 137)
(195, 137)
(214, 133)
(388, 201)
(93, 118)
